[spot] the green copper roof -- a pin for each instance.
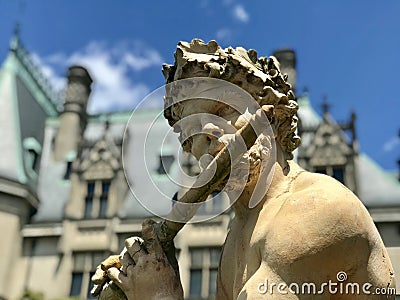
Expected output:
(20, 63)
(116, 117)
(11, 160)
(24, 91)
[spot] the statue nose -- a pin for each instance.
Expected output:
(213, 131)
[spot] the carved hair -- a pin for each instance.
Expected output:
(259, 76)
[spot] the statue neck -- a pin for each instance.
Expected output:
(284, 172)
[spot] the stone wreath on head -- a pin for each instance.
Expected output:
(259, 76)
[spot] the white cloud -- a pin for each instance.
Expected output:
(240, 14)
(391, 144)
(109, 66)
(140, 62)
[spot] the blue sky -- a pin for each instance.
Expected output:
(346, 50)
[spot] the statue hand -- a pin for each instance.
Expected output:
(100, 278)
(146, 271)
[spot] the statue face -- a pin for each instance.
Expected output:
(208, 124)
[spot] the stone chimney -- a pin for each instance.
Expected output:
(287, 60)
(73, 118)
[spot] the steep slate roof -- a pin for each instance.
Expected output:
(309, 119)
(21, 86)
(21, 80)
(54, 190)
(376, 187)
(146, 183)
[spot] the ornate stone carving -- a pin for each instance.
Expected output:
(100, 161)
(308, 228)
(259, 76)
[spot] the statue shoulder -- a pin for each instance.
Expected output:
(319, 221)
(323, 202)
(325, 187)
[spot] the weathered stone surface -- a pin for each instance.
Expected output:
(308, 229)
(259, 76)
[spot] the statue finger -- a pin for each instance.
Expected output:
(117, 277)
(99, 279)
(111, 261)
(99, 276)
(151, 240)
(126, 260)
(97, 288)
(135, 247)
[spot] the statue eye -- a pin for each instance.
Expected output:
(226, 111)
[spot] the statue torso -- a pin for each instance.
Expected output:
(302, 235)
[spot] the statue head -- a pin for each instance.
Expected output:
(258, 76)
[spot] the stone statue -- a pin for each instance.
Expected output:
(307, 231)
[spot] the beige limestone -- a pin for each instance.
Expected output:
(307, 229)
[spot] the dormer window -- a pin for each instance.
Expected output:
(321, 170)
(32, 153)
(105, 187)
(89, 200)
(337, 172)
(96, 200)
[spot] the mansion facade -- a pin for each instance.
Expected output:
(65, 204)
